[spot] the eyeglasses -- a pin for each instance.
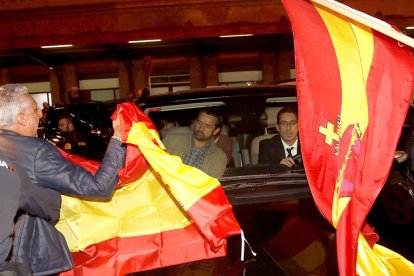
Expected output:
(286, 124)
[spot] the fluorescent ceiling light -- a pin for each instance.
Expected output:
(409, 28)
(56, 46)
(238, 35)
(144, 41)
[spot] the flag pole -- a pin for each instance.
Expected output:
(367, 20)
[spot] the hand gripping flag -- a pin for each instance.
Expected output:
(170, 214)
(354, 87)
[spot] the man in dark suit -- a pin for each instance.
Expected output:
(281, 148)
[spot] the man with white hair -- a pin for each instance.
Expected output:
(47, 168)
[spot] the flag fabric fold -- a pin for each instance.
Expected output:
(354, 86)
(166, 213)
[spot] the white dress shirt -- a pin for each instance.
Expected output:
(294, 150)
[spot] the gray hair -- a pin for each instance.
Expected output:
(11, 102)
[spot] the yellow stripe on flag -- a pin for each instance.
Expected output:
(140, 208)
(176, 175)
(380, 261)
(354, 48)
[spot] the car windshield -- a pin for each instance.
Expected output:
(92, 121)
(249, 116)
(247, 119)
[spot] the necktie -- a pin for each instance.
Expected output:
(289, 150)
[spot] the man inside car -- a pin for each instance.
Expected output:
(282, 148)
(198, 149)
(73, 142)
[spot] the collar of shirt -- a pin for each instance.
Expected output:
(195, 157)
(207, 145)
(286, 146)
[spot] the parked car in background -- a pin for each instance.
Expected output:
(91, 120)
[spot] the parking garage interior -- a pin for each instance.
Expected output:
(114, 49)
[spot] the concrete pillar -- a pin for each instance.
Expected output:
(210, 70)
(195, 72)
(269, 65)
(124, 83)
(57, 96)
(139, 79)
(4, 76)
(284, 63)
(70, 79)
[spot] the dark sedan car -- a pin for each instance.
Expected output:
(92, 120)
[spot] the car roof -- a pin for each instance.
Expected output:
(281, 92)
(88, 104)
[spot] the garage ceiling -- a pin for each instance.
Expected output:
(100, 30)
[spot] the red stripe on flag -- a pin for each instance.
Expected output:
(214, 216)
(388, 97)
(316, 95)
(120, 256)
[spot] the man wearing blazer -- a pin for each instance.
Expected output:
(198, 149)
(281, 148)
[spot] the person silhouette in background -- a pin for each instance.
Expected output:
(72, 142)
(74, 96)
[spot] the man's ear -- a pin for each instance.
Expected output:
(277, 127)
(21, 119)
(216, 131)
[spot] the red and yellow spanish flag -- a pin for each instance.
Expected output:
(168, 213)
(354, 87)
